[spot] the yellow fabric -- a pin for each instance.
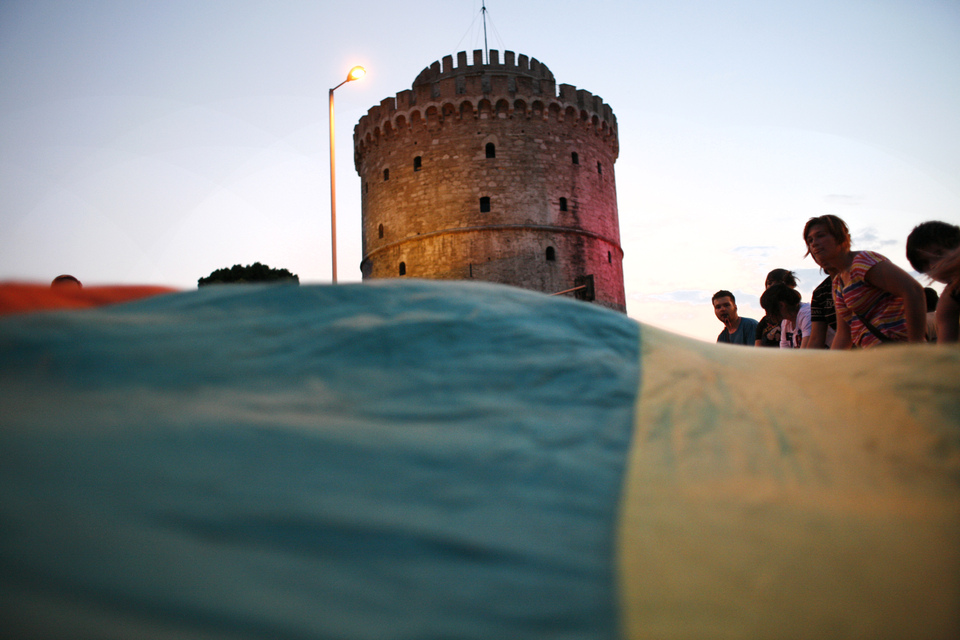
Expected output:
(792, 494)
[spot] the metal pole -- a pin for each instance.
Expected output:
(486, 49)
(355, 73)
(333, 195)
(583, 286)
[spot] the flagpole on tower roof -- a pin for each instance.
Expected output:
(486, 49)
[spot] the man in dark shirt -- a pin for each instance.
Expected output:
(736, 330)
(823, 316)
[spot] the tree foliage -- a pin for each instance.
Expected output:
(255, 272)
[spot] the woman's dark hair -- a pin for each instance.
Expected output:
(783, 276)
(927, 236)
(772, 297)
(67, 280)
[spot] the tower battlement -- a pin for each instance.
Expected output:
(512, 64)
(518, 86)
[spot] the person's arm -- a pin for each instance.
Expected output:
(842, 339)
(817, 338)
(784, 344)
(892, 279)
(804, 325)
(948, 319)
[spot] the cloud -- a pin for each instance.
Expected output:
(688, 296)
(868, 238)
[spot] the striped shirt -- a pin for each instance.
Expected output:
(882, 309)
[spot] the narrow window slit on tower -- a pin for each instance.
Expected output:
(563, 204)
(386, 174)
(599, 168)
(484, 204)
(417, 163)
(491, 150)
(403, 268)
(551, 254)
(575, 158)
(380, 230)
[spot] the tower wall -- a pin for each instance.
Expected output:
(422, 157)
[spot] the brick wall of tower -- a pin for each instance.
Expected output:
(426, 213)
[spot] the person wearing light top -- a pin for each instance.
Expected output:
(876, 301)
(783, 304)
(768, 330)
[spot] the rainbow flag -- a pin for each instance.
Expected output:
(412, 459)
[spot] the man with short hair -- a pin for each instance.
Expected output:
(737, 330)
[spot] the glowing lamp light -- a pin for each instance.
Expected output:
(356, 73)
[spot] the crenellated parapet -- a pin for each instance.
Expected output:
(518, 87)
(512, 65)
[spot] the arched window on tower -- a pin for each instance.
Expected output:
(575, 157)
(485, 204)
(417, 163)
(491, 150)
(563, 204)
(403, 268)
(380, 230)
(386, 174)
(551, 254)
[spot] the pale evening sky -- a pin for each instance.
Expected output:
(154, 142)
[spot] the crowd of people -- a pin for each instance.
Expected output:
(865, 300)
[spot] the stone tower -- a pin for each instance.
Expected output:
(486, 172)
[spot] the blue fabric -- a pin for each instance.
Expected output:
(399, 459)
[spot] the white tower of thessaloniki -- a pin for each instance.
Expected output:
(486, 171)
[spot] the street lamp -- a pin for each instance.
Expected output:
(355, 74)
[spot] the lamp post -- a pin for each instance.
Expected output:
(355, 74)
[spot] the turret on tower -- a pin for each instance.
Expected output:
(489, 171)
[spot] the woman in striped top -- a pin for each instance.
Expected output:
(876, 301)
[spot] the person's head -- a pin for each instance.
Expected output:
(725, 306)
(825, 234)
(65, 281)
(778, 276)
(780, 302)
(932, 299)
(929, 242)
